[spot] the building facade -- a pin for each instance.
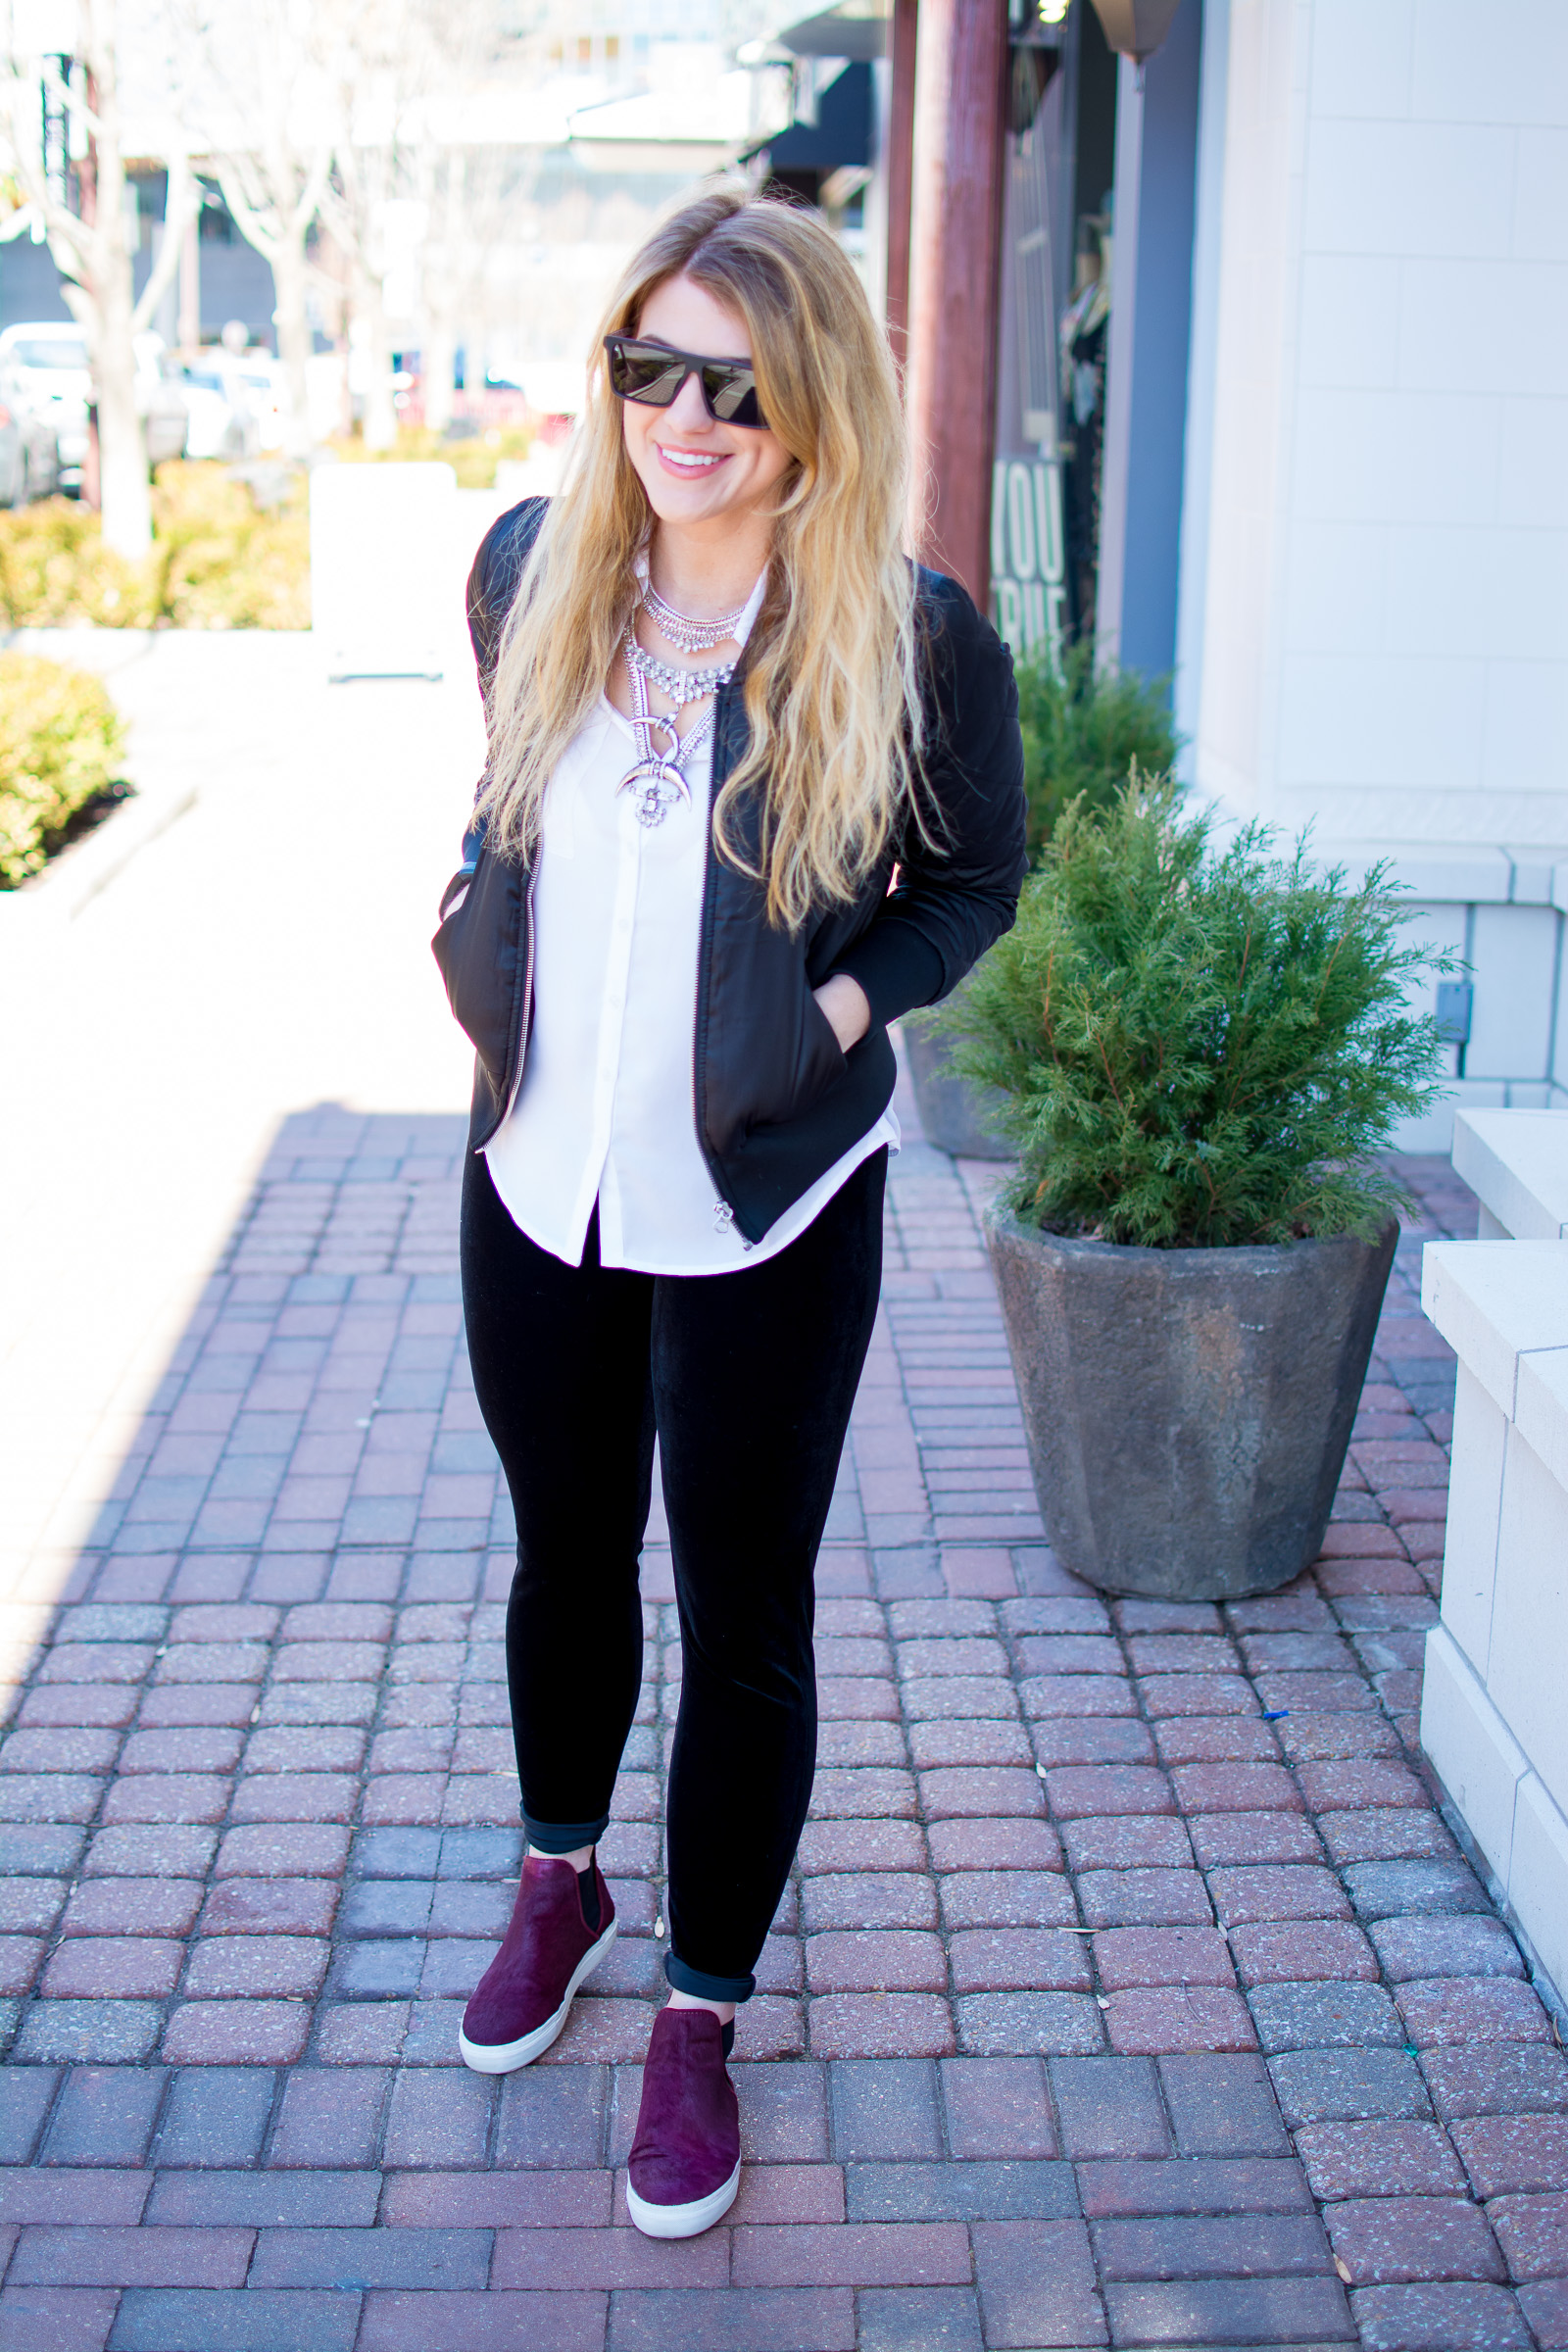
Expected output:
(1332, 498)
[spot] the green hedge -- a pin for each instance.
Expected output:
(473, 460)
(59, 745)
(217, 560)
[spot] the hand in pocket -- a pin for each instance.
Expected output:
(846, 1009)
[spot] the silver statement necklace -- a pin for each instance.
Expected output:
(658, 780)
(692, 636)
(682, 686)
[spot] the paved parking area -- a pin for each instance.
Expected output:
(1130, 1988)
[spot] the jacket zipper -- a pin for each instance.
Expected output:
(722, 1211)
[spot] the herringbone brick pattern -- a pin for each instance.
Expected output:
(1130, 1988)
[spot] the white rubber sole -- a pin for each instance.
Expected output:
(505, 2057)
(682, 2220)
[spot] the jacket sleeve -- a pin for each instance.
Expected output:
(959, 875)
(493, 581)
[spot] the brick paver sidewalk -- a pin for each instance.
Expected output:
(1130, 1990)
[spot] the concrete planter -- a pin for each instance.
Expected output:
(1186, 1410)
(952, 1110)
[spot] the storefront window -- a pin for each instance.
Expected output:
(1054, 312)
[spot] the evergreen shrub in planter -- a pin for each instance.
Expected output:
(1083, 729)
(1196, 1051)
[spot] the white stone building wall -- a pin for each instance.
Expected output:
(1374, 632)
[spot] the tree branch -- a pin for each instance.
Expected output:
(309, 203)
(181, 204)
(59, 221)
(247, 216)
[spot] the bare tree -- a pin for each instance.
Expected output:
(355, 209)
(271, 150)
(342, 112)
(474, 195)
(95, 246)
(381, 57)
(404, 200)
(459, 185)
(445, 276)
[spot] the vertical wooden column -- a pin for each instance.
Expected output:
(901, 168)
(961, 94)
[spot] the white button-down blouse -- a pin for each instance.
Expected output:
(606, 1107)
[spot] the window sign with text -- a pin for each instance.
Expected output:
(1029, 599)
(1028, 566)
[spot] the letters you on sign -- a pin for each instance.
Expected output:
(1028, 584)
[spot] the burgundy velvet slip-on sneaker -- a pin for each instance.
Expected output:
(561, 1927)
(685, 2163)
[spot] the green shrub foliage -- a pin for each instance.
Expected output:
(60, 747)
(474, 461)
(1082, 729)
(1199, 1046)
(219, 561)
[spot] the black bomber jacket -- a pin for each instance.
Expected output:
(777, 1103)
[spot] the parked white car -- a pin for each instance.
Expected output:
(222, 422)
(45, 379)
(29, 462)
(266, 392)
(162, 405)
(46, 365)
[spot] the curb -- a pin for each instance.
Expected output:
(71, 882)
(55, 897)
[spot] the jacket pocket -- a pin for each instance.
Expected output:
(447, 944)
(821, 1059)
(479, 949)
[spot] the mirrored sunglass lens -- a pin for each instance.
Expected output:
(731, 395)
(650, 376)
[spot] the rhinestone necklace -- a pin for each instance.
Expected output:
(692, 636)
(681, 686)
(658, 780)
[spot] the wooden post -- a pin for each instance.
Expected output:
(901, 165)
(961, 96)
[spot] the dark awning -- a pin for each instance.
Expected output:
(836, 33)
(843, 132)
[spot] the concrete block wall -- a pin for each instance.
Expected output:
(1493, 1718)
(1503, 920)
(1386, 646)
(1517, 1167)
(1374, 623)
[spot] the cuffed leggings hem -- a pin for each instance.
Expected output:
(704, 1988)
(564, 1836)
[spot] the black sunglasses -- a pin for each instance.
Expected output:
(653, 373)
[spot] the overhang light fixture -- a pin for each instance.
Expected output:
(1135, 29)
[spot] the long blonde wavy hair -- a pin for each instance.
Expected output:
(831, 682)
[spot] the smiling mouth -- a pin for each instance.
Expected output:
(689, 462)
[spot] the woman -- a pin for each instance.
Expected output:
(724, 713)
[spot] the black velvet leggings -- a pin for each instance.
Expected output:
(748, 1379)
